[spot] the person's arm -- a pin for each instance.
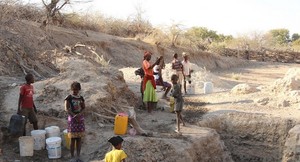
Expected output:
(156, 62)
(34, 108)
(175, 92)
(19, 104)
(68, 109)
(82, 106)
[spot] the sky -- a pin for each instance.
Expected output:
(229, 17)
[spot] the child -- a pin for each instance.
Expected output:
(26, 105)
(176, 93)
(74, 105)
(116, 155)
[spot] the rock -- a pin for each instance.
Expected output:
(243, 89)
(291, 146)
(283, 103)
(262, 101)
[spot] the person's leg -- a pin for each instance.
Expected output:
(33, 119)
(168, 88)
(35, 125)
(25, 113)
(184, 85)
(136, 126)
(181, 119)
(149, 107)
(78, 146)
(177, 121)
(72, 147)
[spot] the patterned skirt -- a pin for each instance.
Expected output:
(76, 128)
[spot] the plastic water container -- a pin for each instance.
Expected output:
(39, 137)
(208, 87)
(16, 125)
(172, 104)
(26, 145)
(54, 147)
(66, 139)
(121, 123)
(191, 88)
(52, 131)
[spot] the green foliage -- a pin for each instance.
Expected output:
(279, 36)
(201, 33)
(295, 37)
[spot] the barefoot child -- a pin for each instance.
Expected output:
(74, 105)
(117, 154)
(26, 105)
(176, 93)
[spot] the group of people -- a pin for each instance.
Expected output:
(153, 77)
(74, 106)
(75, 103)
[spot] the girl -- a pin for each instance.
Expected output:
(74, 105)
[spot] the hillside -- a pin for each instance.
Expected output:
(105, 65)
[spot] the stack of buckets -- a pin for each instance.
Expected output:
(37, 142)
(53, 142)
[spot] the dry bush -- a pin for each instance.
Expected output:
(14, 9)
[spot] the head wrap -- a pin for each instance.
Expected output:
(146, 53)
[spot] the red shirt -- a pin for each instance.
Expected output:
(26, 90)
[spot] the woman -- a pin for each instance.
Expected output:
(149, 86)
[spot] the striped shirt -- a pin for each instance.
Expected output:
(176, 65)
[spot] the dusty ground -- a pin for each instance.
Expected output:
(108, 90)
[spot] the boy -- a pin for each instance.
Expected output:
(26, 105)
(176, 93)
(116, 155)
(177, 66)
(186, 70)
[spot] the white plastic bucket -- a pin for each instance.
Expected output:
(54, 147)
(191, 88)
(39, 139)
(52, 131)
(208, 87)
(26, 145)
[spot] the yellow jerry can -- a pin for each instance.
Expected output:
(121, 123)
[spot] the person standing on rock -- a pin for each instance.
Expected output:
(186, 70)
(149, 86)
(26, 105)
(177, 66)
(176, 93)
(74, 106)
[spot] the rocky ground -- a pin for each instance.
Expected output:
(247, 117)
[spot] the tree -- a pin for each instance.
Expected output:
(202, 33)
(53, 8)
(175, 30)
(280, 36)
(295, 37)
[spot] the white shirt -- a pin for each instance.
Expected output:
(186, 67)
(156, 70)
